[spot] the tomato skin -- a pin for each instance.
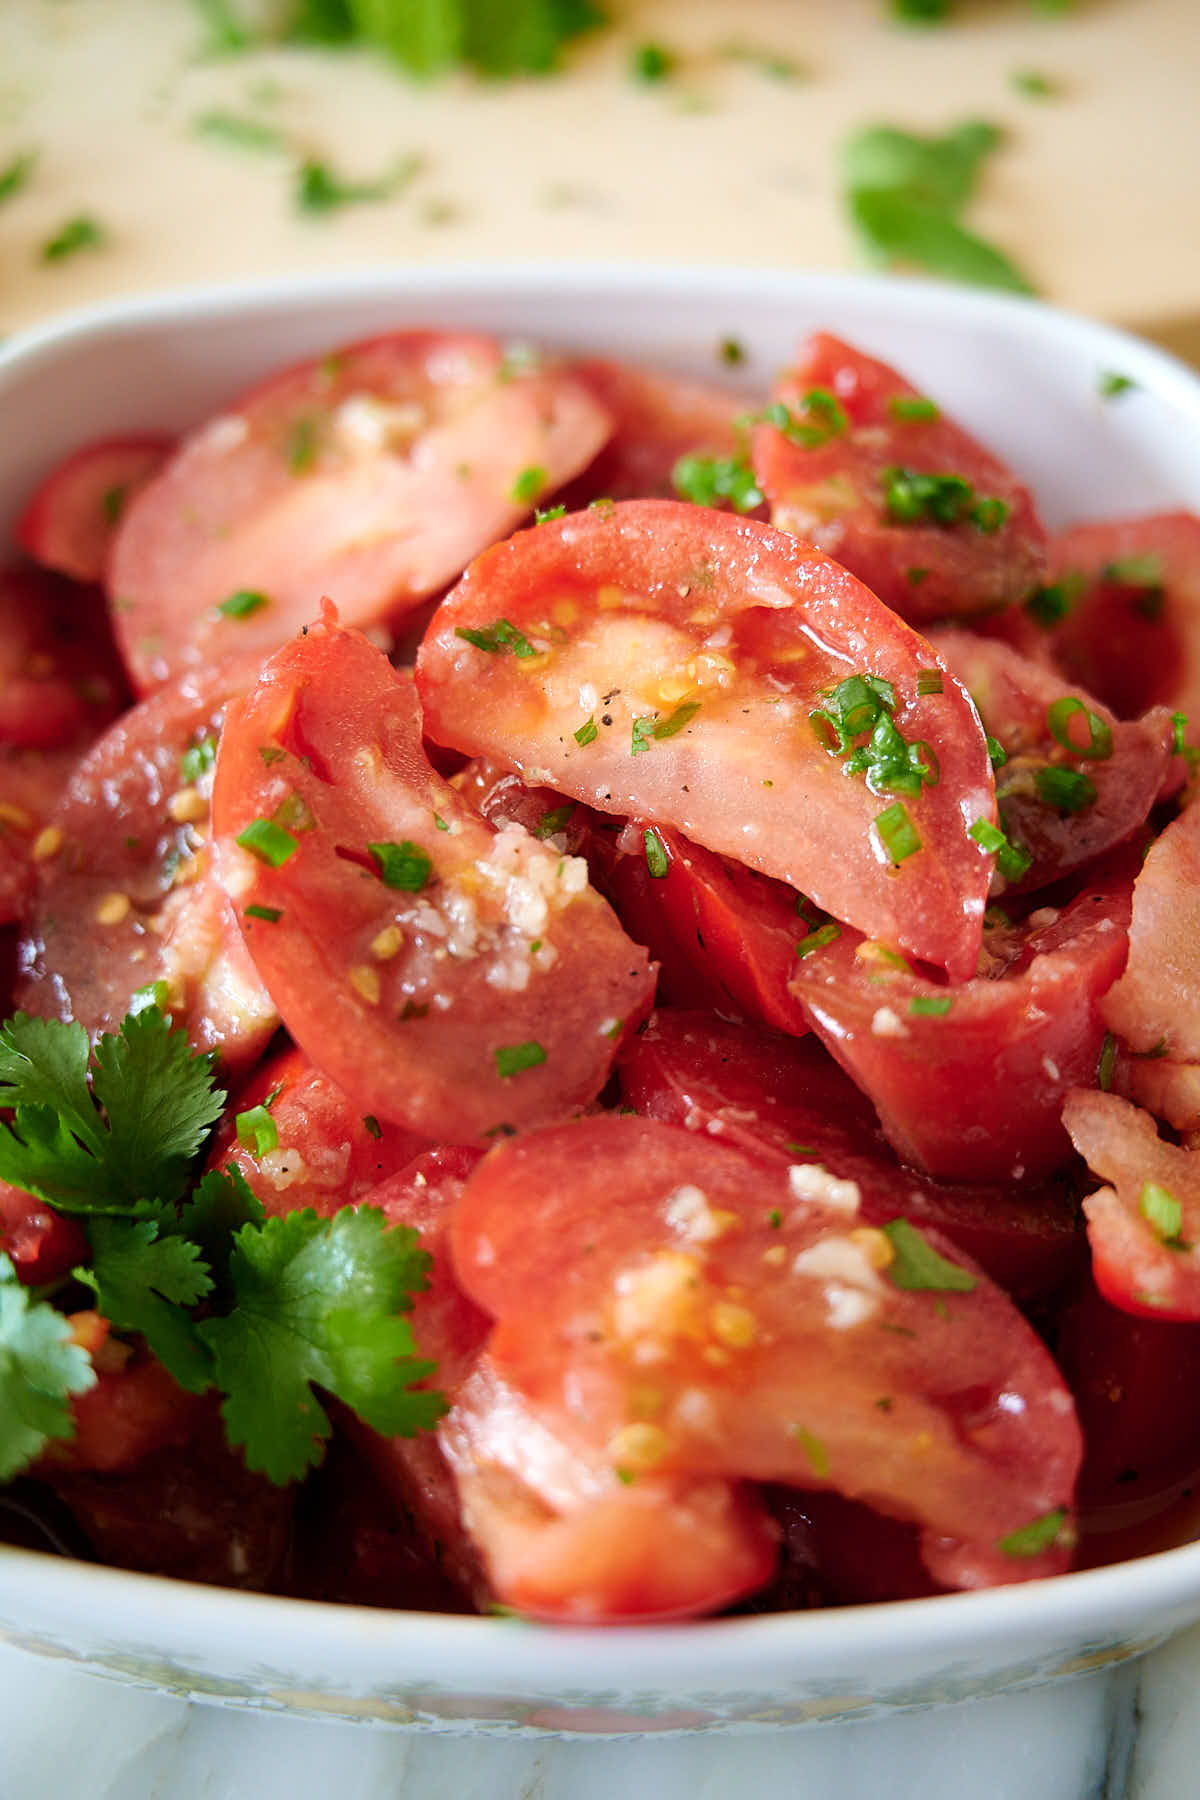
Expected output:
(1137, 1267)
(635, 1295)
(44, 1245)
(1015, 696)
(343, 475)
(501, 946)
(667, 603)
(127, 897)
(792, 1102)
(1136, 1382)
(656, 419)
(975, 1093)
(71, 519)
(832, 493)
(327, 1155)
(1135, 645)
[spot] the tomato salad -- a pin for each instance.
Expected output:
(604, 1004)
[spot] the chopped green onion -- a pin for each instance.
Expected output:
(1050, 604)
(544, 515)
(1106, 1063)
(554, 820)
(80, 233)
(270, 915)
(257, 1131)
(511, 1059)
(1135, 571)
(813, 1448)
(929, 681)
(657, 860)
(918, 1268)
(914, 408)
(812, 420)
(667, 728)
(704, 480)
(930, 1006)
(1011, 860)
(197, 760)
(496, 638)
(242, 604)
(529, 484)
(372, 1126)
(1059, 716)
(268, 841)
(1162, 1212)
(897, 833)
(1040, 1534)
(641, 733)
(1112, 384)
(731, 351)
(1034, 85)
(650, 63)
(816, 940)
(1065, 789)
(404, 866)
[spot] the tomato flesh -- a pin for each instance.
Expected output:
(373, 474)
(70, 522)
(487, 985)
(674, 658)
(827, 481)
(711, 1325)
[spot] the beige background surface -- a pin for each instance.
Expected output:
(1096, 192)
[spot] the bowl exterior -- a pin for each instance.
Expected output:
(1026, 380)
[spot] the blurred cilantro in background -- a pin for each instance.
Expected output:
(427, 37)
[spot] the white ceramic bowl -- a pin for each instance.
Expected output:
(1025, 379)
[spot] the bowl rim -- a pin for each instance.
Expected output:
(59, 1595)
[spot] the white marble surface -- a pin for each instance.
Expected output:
(1126, 1734)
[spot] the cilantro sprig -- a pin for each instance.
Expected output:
(261, 1308)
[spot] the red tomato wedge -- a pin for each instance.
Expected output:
(70, 522)
(1131, 592)
(662, 661)
(125, 894)
(969, 1081)
(326, 1154)
(1075, 781)
(374, 473)
(850, 469)
(1144, 1228)
(726, 1318)
(656, 419)
(1136, 1383)
(791, 1102)
(453, 978)
(563, 1539)
(1155, 1005)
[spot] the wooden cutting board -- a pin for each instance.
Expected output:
(1095, 192)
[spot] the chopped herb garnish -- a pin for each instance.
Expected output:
(1163, 1213)
(675, 722)
(294, 813)
(544, 515)
(1040, 1534)
(816, 940)
(657, 860)
(1011, 860)
(810, 421)
(271, 754)
(270, 915)
(1112, 384)
(929, 681)
(1144, 571)
(775, 1218)
(197, 760)
(511, 1059)
(242, 604)
(641, 733)
(912, 497)
(897, 833)
(112, 503)
(1033, 84)
(257, 1131)
(80, 233)
(1106, 1063)
(1061, 714)
(731, 351)
(15, 174)
(1050, 604)
(917, 1267)
(914, 408)
(813, 1448)
(269, 842)
(300, 449)
(236, 129)
(497, 638)
(906, 193)
(554, 820)
(650, 63)
(704, 480)
(529, 484)
(319, 190)
(404, 866)
(1065, 789)
(930, 1006)
(372, 1126)
(153, 994)
(921, 12)
(997, 754)
(586, 734)
(413, 1009)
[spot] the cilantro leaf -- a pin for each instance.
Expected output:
(40, 1368)
(143, 1282)
(319, 1300)
(222, 1203)
(157, 1094)
(918, 1267)
(905, 193)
